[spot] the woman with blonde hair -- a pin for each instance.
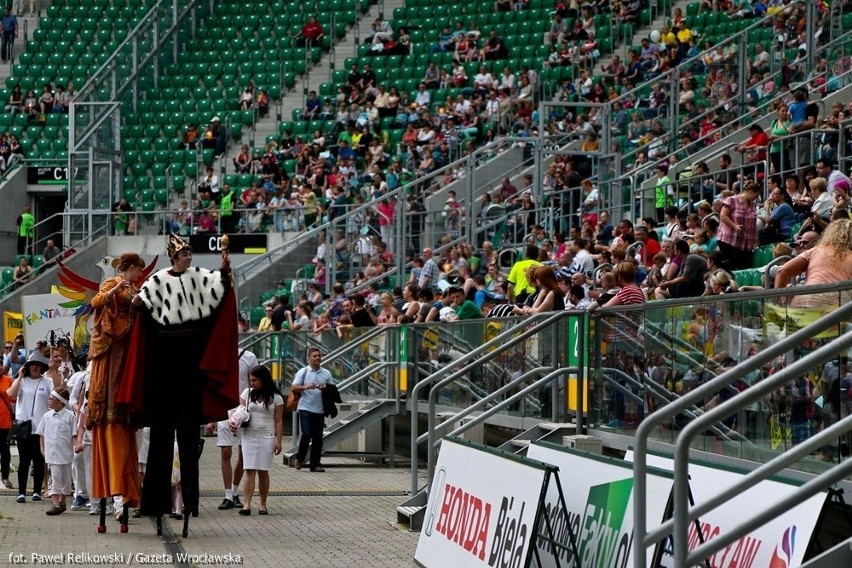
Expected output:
(830, 261)
(720, 282)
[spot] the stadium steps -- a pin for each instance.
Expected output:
(293, 99)
(363, 416)
(20, 43)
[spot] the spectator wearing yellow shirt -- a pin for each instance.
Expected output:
(684, 36)
(519, 286)
(668, 37)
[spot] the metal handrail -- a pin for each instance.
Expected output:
(666, 396)
(88, 91)
(433, 392)
(682, 516)
(244, 271)
(357, 342)
(765, 103)
(698, 394)
(805, 491)
(537, 384)
(469, 362)
(738, 296)
(364, 373)
(687, 63)
(470, 409)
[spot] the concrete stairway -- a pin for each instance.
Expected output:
(320, 73)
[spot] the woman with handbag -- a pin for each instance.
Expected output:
(7, 415)
(261, 434)
(30, 392)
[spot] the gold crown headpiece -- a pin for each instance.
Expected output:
(176, 244)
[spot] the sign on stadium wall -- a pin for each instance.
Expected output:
(239, 243)
(780, 543)
(599, 500)
(482, 508)
(53, 175)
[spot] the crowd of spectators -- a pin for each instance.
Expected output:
(790, 198)
(604, 263)
(708, 87)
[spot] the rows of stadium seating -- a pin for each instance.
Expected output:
(72, 40)
(238, 44)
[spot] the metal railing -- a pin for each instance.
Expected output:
(644, 537)
(462, 366)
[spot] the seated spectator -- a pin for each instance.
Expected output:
(740, 9)
(45, 101)
(247, 98)
(205, 223)
(242, 163)
(51, 252)
(24, 273)
(61, 100)
(778, 218)
(31, 108)
(311, 34)
(445, 42)
(208, 187)
(558, 29)
(190, 136)
(689, 282)
(312, 106)
(432, 76)
(423, 98)
(382, 32)
(262, 102)
(215, 137)
(16, 101)
(830, 261)
(494, 48)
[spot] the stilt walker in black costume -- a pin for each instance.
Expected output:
(183, 370)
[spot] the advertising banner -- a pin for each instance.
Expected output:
(780, 543)
(42, 315)
(599, 500)
(13, 324)
(482, 508)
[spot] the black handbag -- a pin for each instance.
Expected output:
(21, 429)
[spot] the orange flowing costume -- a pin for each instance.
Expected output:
(114, 454)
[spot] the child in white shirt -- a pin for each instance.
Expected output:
(57, 429)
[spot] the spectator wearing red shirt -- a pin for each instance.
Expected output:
(649, 247)
(311, 32)
(756, 145)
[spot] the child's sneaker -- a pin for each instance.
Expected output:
(79, 503)
(94, 509)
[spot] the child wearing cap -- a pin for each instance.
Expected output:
(57, 428)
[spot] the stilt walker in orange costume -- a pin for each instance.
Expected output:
(114, 454)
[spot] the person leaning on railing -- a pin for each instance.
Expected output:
(830, 261)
